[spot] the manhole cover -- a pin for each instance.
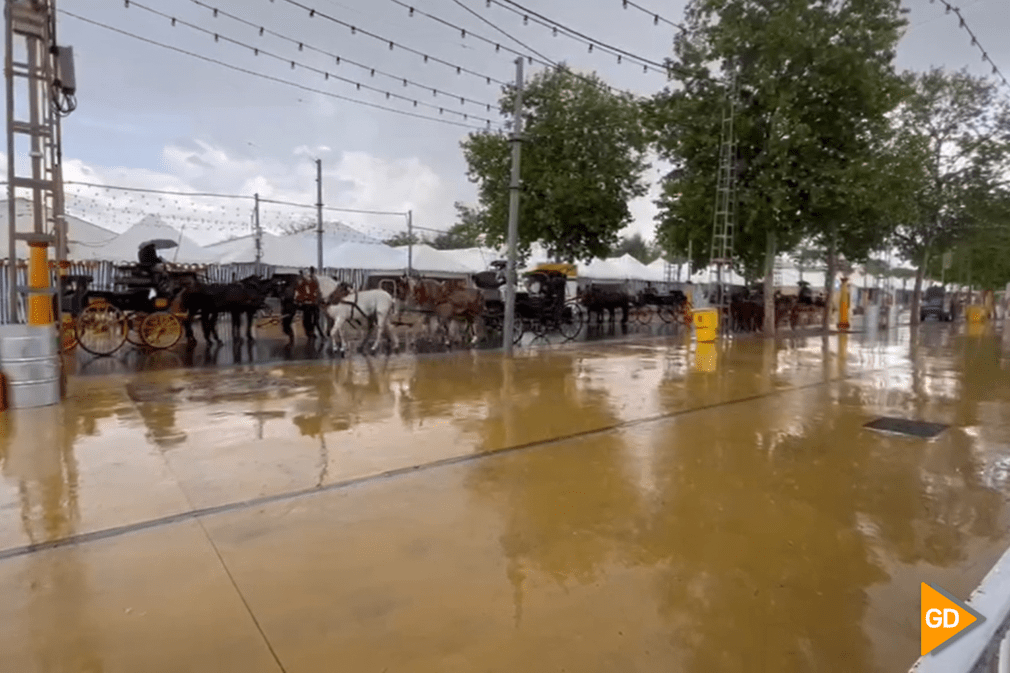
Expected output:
(907, 427)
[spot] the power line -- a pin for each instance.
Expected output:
(498, 47)
(555, 26)
(257, 51)
(656, 18)
(302, 45)
(974, 41)
(392, 43)
(156, 191)
(525, 46)
(334, 208)
(269, 77)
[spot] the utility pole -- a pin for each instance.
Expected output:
(319, 215)
(510, 289)
(258, 231)
(410, 242)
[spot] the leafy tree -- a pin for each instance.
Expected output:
(960, 133)
(464, 234)
(582, 161)
(815, 80)
(403, 238)
(637, 247)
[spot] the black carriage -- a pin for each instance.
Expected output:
(541, 309)
(101, 321)
(672, 307)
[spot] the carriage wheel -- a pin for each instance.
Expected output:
(644, 315)
(572, 319)
(519, 327)
(101, 329)
(133, 323)
(667, 313)
(160, 330)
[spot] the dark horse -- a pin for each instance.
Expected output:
(208, 300)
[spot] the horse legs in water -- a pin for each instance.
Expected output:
(337, 330)
(383, 326)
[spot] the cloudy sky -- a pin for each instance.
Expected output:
(155, 118)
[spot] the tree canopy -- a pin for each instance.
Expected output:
(582, 162)
(815, 80)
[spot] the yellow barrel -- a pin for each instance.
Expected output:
(706, 324)
(976, 314)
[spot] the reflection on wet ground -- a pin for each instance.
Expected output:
(638, 505)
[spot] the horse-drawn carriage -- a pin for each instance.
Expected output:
(673, 307)
(542, 308)
(139, 310)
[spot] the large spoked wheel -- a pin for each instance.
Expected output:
(572, 319)
(101, 329)
(668, 313)
(160, 330)
(519, 327)
(133, 323)
(643, 314)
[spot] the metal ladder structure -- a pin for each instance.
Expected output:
(724, 224)
(30, 33)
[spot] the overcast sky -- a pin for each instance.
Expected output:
(153, 118)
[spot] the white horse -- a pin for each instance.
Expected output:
(368, 305)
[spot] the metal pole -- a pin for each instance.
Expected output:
(258, 231)
(319, 214)
(510, 289)
(12, 258)
(410, 242)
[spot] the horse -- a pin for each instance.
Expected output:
(206, 300)
(448, 301)
(600, 298)
(345, 304)
(308, 293)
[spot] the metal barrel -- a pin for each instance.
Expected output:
(31, 363)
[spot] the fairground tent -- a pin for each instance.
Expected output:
(79, 232)
(125, 246)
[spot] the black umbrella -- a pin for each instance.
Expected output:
(160, 243)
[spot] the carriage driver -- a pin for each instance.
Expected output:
(150, 262)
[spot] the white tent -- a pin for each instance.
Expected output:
(637, 270)
(369, 256)
(476, 259)
(427, 259)
(125, 246)
(603, 269)
(79, 232)
(281, 251)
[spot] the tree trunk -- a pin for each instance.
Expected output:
(769, 285)
(829, 283)
(920, 274)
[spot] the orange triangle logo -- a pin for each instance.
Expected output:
(943, 619)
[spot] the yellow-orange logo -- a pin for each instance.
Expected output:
(944, 619)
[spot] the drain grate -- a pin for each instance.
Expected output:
(907, 427)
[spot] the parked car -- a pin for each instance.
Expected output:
(936, 304)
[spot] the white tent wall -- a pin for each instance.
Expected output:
(80, 233)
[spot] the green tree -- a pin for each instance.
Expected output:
(464, 234)
(582, 161)
(403, 238)
(959, 131)
(815, 81)
(637, 247)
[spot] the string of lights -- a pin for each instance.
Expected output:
(556, 27)
(656, 18)
(974, 40)
(271, 78)
(392, 43)
(607, 87)
(326, 74)
(303, 46)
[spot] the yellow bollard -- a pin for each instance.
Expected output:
(40, 306)
(976, 314)
(706, 357)
(843, 305)
(706, 324)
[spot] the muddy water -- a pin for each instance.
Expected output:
(671, 510)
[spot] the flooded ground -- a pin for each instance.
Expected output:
(632, 505)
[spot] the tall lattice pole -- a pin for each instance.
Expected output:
(46, 81)
(724, 219)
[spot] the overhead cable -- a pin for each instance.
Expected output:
(270, 77)
(392, 43)
(302, 46)
(326, 74)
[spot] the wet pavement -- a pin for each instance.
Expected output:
(633, 505)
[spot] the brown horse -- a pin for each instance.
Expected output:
(447, 301)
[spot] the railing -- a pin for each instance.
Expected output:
(986, 648)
